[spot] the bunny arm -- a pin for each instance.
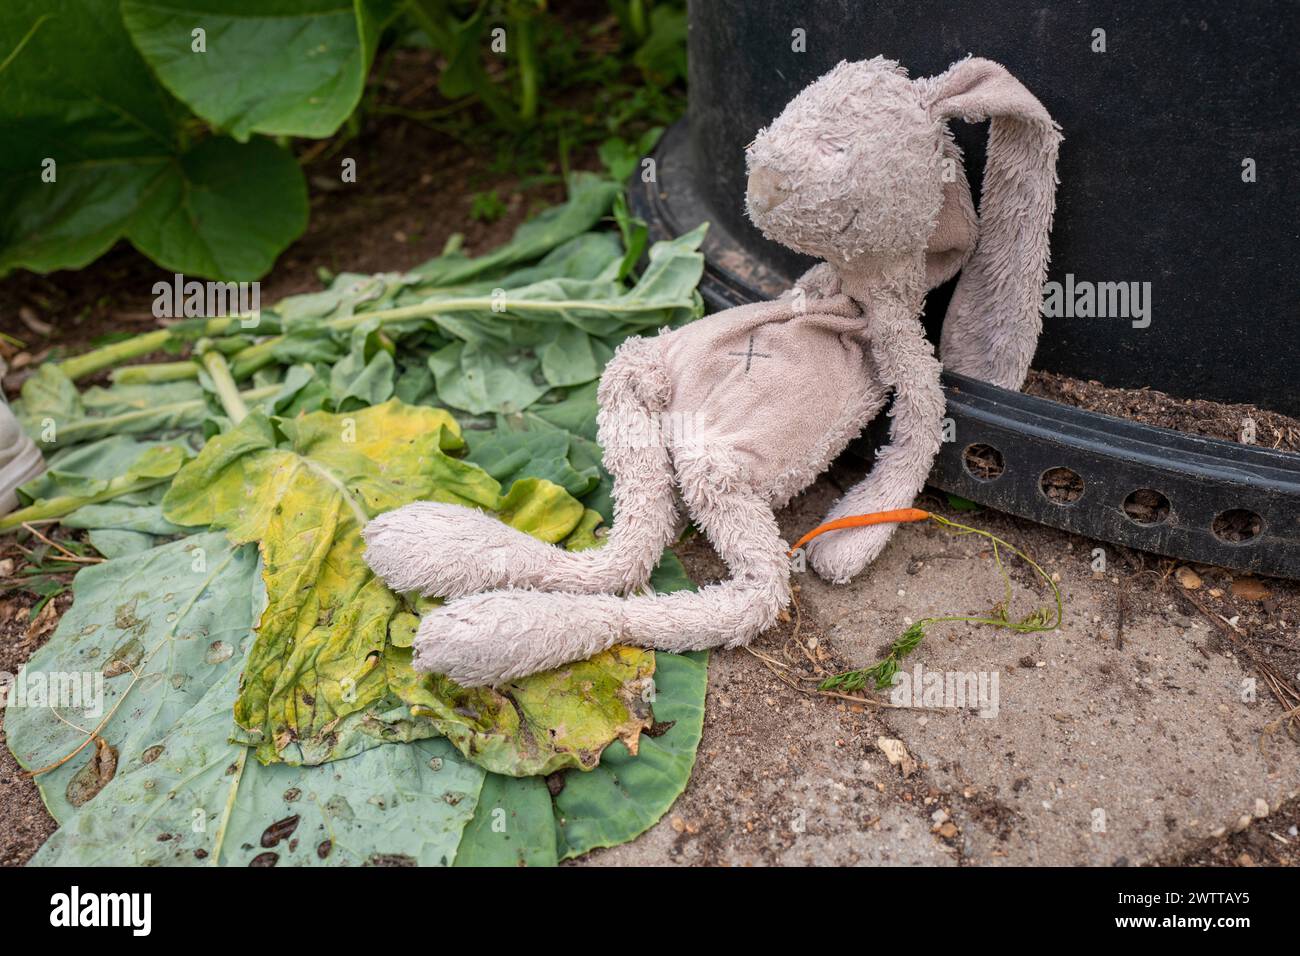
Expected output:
(451, 550)
(498, 636)
(907, 365)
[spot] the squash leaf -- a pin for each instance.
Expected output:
(329, 673)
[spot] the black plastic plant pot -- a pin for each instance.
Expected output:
(1176, 173)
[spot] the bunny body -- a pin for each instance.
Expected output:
(779, 390)
(731, 416)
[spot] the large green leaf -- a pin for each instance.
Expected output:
(282, 67)
(329, 674)
(78, 94)
(165, 631)
(153, 634)
(626, 794)
(222, 209)
(618, 800)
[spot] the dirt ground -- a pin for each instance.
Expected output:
(1122, 738)
(1193, 416)
(1135, 707)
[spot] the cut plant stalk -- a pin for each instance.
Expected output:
(219, 371)
(63, 505)
(155, 374)
(96, 360)
(255, 357)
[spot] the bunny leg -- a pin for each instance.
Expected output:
(495, 637)
(907, 365)
(451, 550)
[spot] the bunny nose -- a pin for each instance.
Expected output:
(765, 191)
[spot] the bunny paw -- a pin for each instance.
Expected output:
(842, 555)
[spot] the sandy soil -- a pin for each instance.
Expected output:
(1131, 708)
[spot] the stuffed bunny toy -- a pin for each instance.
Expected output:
(733, 415)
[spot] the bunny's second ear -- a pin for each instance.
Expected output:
(993, 321)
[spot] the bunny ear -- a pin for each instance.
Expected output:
(953, 239)
(993, 321)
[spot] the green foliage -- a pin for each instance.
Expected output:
(166, 631)
(128, 161)
(486, 206)
(557, 86)
(298, 70)
(362, 760)
(881, 674)
(180, 148)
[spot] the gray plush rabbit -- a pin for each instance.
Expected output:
(733, 415)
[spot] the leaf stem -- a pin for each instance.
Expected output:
(96, 360)
(528, 81)
(219, 371)
(145, 419)
(63, 505)
(247, 361)
(153, 374)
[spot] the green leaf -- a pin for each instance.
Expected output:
(50, 398)
(78, 94)
(280, 67)
(662, 58)
(589, 198)
(181, 793)
(112, 543)
(542, 509)
(176, 617)
(328, 675)
(393, 805)
(49, 394)
(222, 209)
(626, 794)
(480, 379)
(546, 722)
(365, 375)
(58, 494)
(88, 469)
(509, 455)
(572, 357)
(512, 826)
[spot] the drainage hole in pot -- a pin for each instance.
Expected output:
(983, 462)
(1147, 506)
(1061, 486)
(1237, 525)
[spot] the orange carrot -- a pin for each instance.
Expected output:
(860, 521)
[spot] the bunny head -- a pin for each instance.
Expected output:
(861, 166)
